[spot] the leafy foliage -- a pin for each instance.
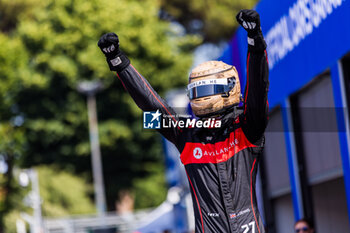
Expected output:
(145, 189)
(13, 10)
(213, 20)
(57, 200)
(48, 50)
(11, 145)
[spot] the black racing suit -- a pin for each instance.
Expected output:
(221, 163)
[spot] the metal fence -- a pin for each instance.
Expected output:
(109, 223)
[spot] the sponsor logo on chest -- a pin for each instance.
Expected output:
(211, 150)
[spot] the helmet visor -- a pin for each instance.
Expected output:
(210, 87)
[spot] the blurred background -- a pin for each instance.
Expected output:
(74, 156)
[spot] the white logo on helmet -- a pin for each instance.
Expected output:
(197, 153)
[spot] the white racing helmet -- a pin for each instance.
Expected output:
(213, 87)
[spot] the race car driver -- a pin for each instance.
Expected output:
(220, 162)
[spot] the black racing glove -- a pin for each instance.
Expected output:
(250, 21)
(116, 59)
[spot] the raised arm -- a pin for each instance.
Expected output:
(255, 115)
(137, 86)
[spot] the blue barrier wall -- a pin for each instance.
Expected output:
(304, 38)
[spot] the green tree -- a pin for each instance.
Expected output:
(12, 143)
(12, 10)
(55, 47)
(10, 193)
(54, 184)
(213, 20)
(56, 200)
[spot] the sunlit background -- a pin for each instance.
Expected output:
(55, 176)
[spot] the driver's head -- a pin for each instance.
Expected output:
(213, 87)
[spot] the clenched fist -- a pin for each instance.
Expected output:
(250, 21)
(109, 45)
